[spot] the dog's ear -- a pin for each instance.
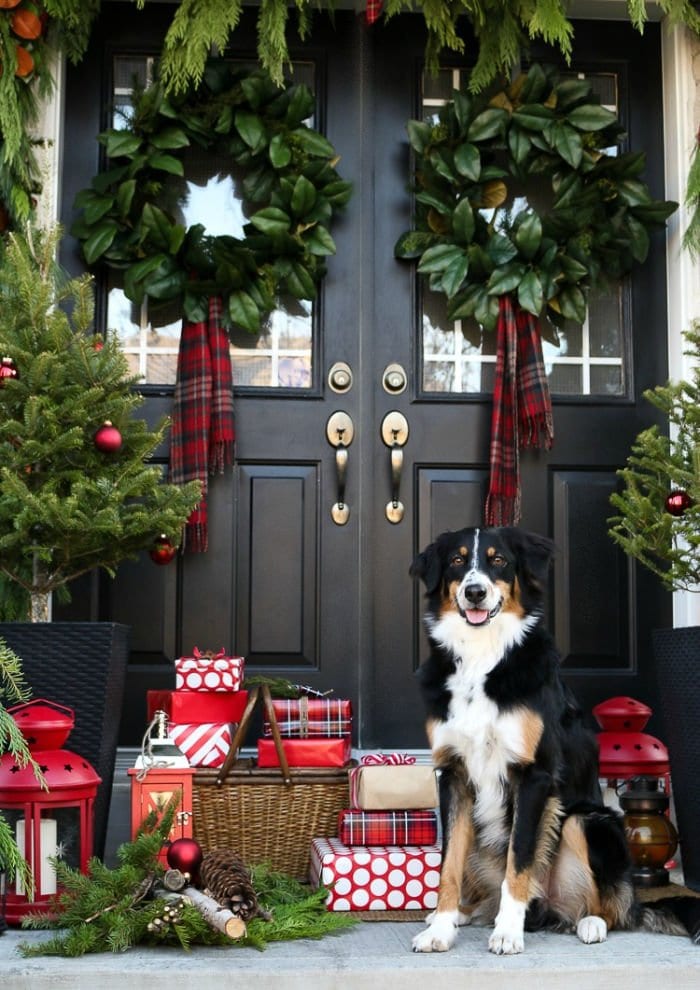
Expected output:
(428, 567)
(534, 553)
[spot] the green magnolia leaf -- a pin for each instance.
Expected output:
(505, 279)
(441, 205)
(467, 159)
(528, 235)
(301, 105)
(156, 226)
(251, 129)
(533, 117)
(572, 269)
(568, 143)
(319, 241)
(314, 143)
(300, 283)
(99, 241)
(462, 106)
(438, 258)
(280, 152)
(633, 193)
(570, 92)
(167, 163)
(125, 197)
(412, 244)
(195, 307)
(639, 239)
(572, 303)
(442, 162)
(486, 311)
(462, 305)
(530, 294)
(165, 283)
(488, 124)
(243, 311)
(271, 221)
(96, 208)
(454, 275)
(170, 138)
(303, 197)
(463, 223)
(501, 249)
(591, 118)
(519, 144)
(419, 134)
(119, 143)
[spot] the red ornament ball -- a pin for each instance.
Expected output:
(108, 439)
(163, 551)
(185, 855)
(8, 369)
(677, 502)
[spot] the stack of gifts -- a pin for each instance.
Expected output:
(316, 732)
(205, 707)
(386, 855)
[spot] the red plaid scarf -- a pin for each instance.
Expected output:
(522, 409)
(203, 432)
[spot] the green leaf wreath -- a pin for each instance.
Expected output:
(289, 184)
(523, 190)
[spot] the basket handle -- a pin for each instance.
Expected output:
(241, 731)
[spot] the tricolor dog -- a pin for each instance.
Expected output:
(527, 841)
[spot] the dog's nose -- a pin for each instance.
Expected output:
(475, 592)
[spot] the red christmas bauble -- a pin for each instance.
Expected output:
(185, 855)
(8, 369)
(677, 502)
(108, 439)
(163, 551)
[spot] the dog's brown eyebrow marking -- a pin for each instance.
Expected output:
(463, 551)
(491, 552)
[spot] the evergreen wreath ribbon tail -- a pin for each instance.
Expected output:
(522, 409)
(203, 426)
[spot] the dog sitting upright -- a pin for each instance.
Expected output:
(527, 840)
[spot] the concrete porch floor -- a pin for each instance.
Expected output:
(375, 955)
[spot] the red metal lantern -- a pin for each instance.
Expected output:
(626, 751)
(56, 823)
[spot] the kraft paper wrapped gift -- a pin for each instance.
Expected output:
(387, 828)
(393, 786)
(317, 752)
(376, 878)
(209, 672)
(304, 718)
(204, 744)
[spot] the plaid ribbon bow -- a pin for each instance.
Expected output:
(522, 409)
(203, 430)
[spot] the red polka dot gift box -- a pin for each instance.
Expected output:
(376, 878)
(209, 672)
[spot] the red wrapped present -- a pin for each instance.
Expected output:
(376, 878)
(209, 672)
(393, 782)
(306, 752)
(204, 744)
(197, 706)
(302, 718)
(387, 828)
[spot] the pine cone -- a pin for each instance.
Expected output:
(225, 877)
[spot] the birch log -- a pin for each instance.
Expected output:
(220, 918)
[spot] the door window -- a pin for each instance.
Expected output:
(580, 359)
(281, 355)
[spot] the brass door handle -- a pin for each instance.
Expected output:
(395, 435)
(340, 431)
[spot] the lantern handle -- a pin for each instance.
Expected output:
(38, 701)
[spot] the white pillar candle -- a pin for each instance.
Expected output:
(49, 841)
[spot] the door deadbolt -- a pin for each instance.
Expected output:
(394, 379)
(340, 377)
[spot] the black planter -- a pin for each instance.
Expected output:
(81, 665)
(677, 656)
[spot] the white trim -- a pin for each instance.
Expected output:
(679, 50)
(49, 129)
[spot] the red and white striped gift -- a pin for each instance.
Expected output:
(204, 744)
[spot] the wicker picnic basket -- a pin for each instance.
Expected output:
(267, 815)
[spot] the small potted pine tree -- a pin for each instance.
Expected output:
(78, 487)
(658, 523)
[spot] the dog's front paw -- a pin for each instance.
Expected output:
(439, 937)
(506, 943)
(592, 929)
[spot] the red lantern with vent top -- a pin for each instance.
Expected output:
(626, 751)
(52, 823)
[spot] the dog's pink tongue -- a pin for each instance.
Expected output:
(477, 615)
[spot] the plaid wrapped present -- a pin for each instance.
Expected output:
(387, 828)
(302, 718)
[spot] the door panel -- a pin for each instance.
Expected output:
(332, 605)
